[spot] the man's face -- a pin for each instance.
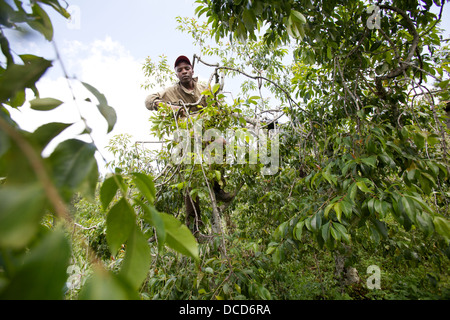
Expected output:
(184, 72)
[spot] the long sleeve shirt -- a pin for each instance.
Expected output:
(176, 93)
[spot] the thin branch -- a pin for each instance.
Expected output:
(403, 64)
(216, 225)
(435, 22)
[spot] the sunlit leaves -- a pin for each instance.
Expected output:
(45, 104)
(295, 24)
(145, 185)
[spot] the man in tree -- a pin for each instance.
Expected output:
(189, 91)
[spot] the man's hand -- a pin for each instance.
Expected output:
(176, 109)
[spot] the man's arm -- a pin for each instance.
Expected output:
(152, 101)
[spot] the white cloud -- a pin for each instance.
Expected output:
(113, 71)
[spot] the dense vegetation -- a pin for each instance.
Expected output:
(357, 94)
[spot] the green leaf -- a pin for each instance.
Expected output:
(105, 285)
(249, 20)
(57, 7)
(43, 272)
(297, 16)
(107, 112)
(120, 222)
(263, 293)
(327, 209)
(381, 227)
(370, 205)
(152, 216)
(136, 263)
(280, 231)
(442, 227)
(41, 22)
(334, 233)
(433, 139)
(350, 164)
(362, 186)
(421, 202)
(326, 231)
(298, 230)
(412, 174)
(18, 77)
(4, 44)
(271, 247)
(353, 191)
(45, 104)
(315, 222)
(329, 177)
(370, 161)
(429, 177)
(346, 208)
(329, 53)
(108, 190)
(18, 99)
(387, 160)
(419, 139)
(408, 207)
(47, 132)
(338, 209)
(277, 255)
(178, 236)
(74, 167)
(425, 222)
(425, 184)
(341, 233)
(145, 185)
(21, 209)
(218, 175)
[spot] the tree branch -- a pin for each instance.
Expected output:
(403, 64)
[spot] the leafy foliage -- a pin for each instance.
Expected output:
(361, 150)
(364, 172)
(35, 256)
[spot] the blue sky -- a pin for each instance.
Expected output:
(144, 27)
(106, 45)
